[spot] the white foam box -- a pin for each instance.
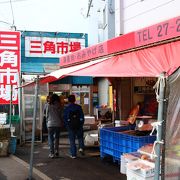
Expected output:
(89, 120)
(127, 158)
(141, 168)
(3, 118)
(2, 121)
(3, 115)
(131, 175)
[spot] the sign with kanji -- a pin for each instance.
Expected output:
(165, 30)
(84, 54)
(51, 47)
(9, 66)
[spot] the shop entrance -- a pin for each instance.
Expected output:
(82, 93)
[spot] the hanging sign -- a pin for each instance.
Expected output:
(9, 66)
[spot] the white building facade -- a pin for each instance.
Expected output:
(131, 15)
(112, 18)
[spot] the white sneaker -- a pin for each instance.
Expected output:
(51, 155)
(81, 151)
(73, 157)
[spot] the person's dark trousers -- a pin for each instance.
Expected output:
(72, 138)
(53, 139)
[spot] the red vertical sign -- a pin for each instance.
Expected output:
(9, 66)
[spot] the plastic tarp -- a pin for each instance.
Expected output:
(65, 71)
(61, 73)
(172, 138)
(149, 62)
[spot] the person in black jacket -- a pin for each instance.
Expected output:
(73, 121)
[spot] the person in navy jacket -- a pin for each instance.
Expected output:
(72, 106)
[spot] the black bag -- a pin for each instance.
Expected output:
(74, 122)
(44, 125)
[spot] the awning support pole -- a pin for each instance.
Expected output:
(33, 130)
(159, 142)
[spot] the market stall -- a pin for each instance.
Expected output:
(132, 55)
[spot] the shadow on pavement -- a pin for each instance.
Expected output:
(2, 177)
(88, 167)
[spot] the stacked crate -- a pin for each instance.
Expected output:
(4, 140)
(3, 118)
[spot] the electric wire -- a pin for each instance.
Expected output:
(4, 2)
(131, 4)
(5, 22)
(161, 5)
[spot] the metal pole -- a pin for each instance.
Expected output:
(22, 136)
(33, 130)
(10, 111)
(159, 129)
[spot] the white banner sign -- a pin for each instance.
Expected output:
(51, 47)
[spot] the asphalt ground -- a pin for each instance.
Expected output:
(88, 167)
(13, 168)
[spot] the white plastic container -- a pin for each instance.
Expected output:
(3, 115)
(3, 121)
(127, 159)
(140, 168)
(117, 123)
(3, 118)
(89, 120)
(131, 175)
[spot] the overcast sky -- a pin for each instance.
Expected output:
(44, 15)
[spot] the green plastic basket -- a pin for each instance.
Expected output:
(14, 119)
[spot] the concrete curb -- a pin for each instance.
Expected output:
(35, 171)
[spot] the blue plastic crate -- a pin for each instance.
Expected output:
(115, 142)
(109, 134)
(104, 151)
(106, 144)
(136, 142)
